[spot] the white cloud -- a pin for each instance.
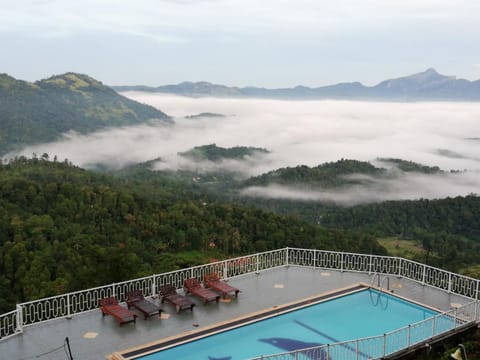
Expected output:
(299, 132)
(407, 186)
(158, 19)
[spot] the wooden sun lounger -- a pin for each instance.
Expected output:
(169, 293)
(213, 281)
(194, 287)
(135, 298)
(110, 306)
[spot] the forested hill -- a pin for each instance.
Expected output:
(63, 228)
(339, 173)
(457, 215)
(450, 227)
(214, 153)
(42, 111)
(331, 174)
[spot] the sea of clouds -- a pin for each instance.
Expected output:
(443, 134)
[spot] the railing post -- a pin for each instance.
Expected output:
(154, 286)
(357, 353)
(69, 316)
(113, 290)
(370, 265)
(258, 265)
(315, 258)
(341, 262)
(424, 274)
(400, 263)
(476, 291)
(384, 344)
(286, 257)
(225, 269)
(449, 283)
(19, 318)
(409, 334)
(476, 310)
(455, 317)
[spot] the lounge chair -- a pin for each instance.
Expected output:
(194, 287)
(135, 298)
(213, 281)
(169, 293)
(110, 306)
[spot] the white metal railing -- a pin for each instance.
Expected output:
(388, 265)
(377, 347)
(67, 305)
(9, 324)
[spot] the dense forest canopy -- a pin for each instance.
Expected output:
(63, 228)
(446, 230)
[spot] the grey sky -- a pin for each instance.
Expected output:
(271, 43)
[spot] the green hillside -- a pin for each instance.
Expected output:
(215, 153)
(331, 174)
(410, 166)
(42, 111)
(63, 228)
(447, 229)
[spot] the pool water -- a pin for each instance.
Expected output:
(358, 315)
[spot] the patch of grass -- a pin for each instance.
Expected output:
(57, 81)
(76, 81)
(408, 249)
(472, 271)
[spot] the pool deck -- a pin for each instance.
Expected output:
(93, 336)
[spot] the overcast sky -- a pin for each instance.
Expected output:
(271, 43)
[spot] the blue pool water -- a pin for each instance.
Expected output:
(362, 314)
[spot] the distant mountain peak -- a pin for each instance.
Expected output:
(431, 71)
(431, 75)
(419, 84)
(426, 85)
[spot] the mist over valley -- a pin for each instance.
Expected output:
(296, 133)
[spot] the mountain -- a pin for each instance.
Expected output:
(427, 85)
(187, 88)
(329, 175)
(42, 111)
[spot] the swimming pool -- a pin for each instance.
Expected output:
(358, 315)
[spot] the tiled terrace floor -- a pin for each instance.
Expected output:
(259, 292)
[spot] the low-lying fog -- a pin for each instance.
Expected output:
(300, 132)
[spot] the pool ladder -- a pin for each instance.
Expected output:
(381, 282)
(379, 300)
